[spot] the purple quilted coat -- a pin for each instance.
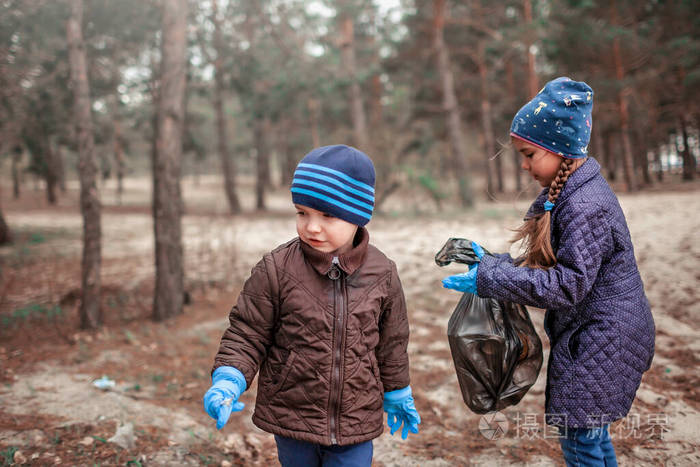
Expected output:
(598, 319)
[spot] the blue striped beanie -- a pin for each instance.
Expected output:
(558, 119)
(338, 180)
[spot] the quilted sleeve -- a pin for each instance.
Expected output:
(585, 238)
(251, 323)
(392, 350)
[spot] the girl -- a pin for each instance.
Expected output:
(578, 264)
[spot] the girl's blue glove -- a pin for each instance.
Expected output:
(222, 398)
(465, 282)
(400, 409)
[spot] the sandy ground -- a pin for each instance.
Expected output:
(51, 413)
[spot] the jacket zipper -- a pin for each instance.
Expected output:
(338, 336)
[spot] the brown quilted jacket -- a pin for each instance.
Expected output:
(328, 339)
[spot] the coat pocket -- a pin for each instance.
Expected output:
(276, 370)
(572, 343)
(375, 370)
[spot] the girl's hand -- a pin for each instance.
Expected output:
(465, 282)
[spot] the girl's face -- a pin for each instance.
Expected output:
(323, 231)
(542, 164)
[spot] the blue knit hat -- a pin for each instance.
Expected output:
(338, 180)
(558, 119)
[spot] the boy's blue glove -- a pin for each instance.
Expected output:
(228, 383)
(400, 409)
(465, 282)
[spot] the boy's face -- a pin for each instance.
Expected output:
(323, 231)
(540, 163)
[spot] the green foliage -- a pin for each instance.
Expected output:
(156, 378)
(33, 311)
(8, 456)
(428, 182)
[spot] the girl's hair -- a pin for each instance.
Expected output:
(535, 231)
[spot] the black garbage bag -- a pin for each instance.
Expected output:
(495, 349)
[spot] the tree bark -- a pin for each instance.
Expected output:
(50, 175)
(512, 91)
(376, 86)
(5, 234)
(611, 155)
(659, 165)
(357, 110)
(532, 82)
(288, 158)
(449, 104)
(487, 126)
(312, 106)
(227, 165)
(689, 164)
(16, 159)
(262, 161)
(60, 169)
(597, 140)
(119, 160)
(628, 158)
(90, 314)
(167, 200)
(640, 154)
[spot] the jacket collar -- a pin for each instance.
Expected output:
(588, 170)
(348, 262)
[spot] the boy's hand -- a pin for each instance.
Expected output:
(222, 398)
(400, 410)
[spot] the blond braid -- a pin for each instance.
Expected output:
(535, 231)
(565, 170)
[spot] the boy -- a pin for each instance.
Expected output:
(323, 318)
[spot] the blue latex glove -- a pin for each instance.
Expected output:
(228, 383)
(465, 282)
(400, 409)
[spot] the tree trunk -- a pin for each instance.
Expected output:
(289, 159)
(50, 167)
(532, 82)
(227, 165)
(627, 156)
(487, 126)
(5, 234)
(262, 161)
(16, 159)
(597, 140)
(90, 315)
(119, 160)
(640, 154)
(60, 169)
(167, 202)
(312, 106)
(659, 165)
(376, 87)
(688, 158)
(449, 103)
(512, 91)
(347, 54)
(610, 155)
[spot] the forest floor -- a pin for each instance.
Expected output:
(51, 413)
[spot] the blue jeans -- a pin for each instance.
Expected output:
(295, 453)
(587, 447)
